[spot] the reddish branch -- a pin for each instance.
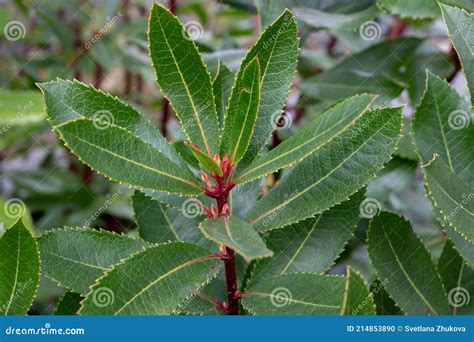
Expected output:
(457, 64)
(397, 29)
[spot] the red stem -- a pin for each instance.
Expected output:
(457, 64)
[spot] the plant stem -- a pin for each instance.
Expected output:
(231, 282)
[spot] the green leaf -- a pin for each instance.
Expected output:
(311, 245)
(384, 304)
(457, 279)
(452, 196)
(19, 270)
(159, 224)
(459, 24)
(269, 10)
(441, 126)
(420, 9)
(356, 74)
(164, 276)
(222, 87)
(342, 21)
(114, 139)
(328, 177)
(357, 300)
(242, 112)
(403, 261)
(465, 247)
(296, 294)
(236, 234)
(183, 78)
(277, 51)
(321, 130)
(69, 304)
(205, 160)
(76, 257)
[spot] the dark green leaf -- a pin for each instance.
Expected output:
(222, 87)
(357, 300)
(69, 304)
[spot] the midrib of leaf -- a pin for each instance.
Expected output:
(292, 300)
(169, 224)
(10, 301)
(196, 115)
(445, 143)
(75, 261)
(304, 144)
(136, 163)
(160, 278)
(406, 274)
(316, 183)
(293, 258)
(458, 284)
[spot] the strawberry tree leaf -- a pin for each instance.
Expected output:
(342, 21)
(357, 300)
(459, 24)
(269, 10)
(321, 130)
(328, 177)
(441, 126)
(399, 256)
(384, 304)
(183, 78)
(69, 304)
(222, 87)
(277, 51)
(311, 245)
(76, 257)
(420, 9)
(465, 247)
(457, 279)
(242, 112)
(114, 139)
(452, 196)
(205, 160)
(164, 276)
(296, 294)
(19, 269)
(236, 234)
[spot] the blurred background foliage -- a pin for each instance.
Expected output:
(346, 47)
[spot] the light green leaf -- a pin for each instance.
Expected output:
(460, 26)
(452, 196)
(419, 9)
(269, 10)
(222, 87)
(357, 300)
(69, 304)
(277, 51)
(321, 130)
(458, 280)
(164, 276)
(205, 160)
(328, 177)
(311, 245)
(19, 270)
(183, 78)
(76, 257)
(296, 294)
(376, 70)
(342, 21)
(441, 126)
(242, 112)
(402, 260)
(236, 234)
(465, 247)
